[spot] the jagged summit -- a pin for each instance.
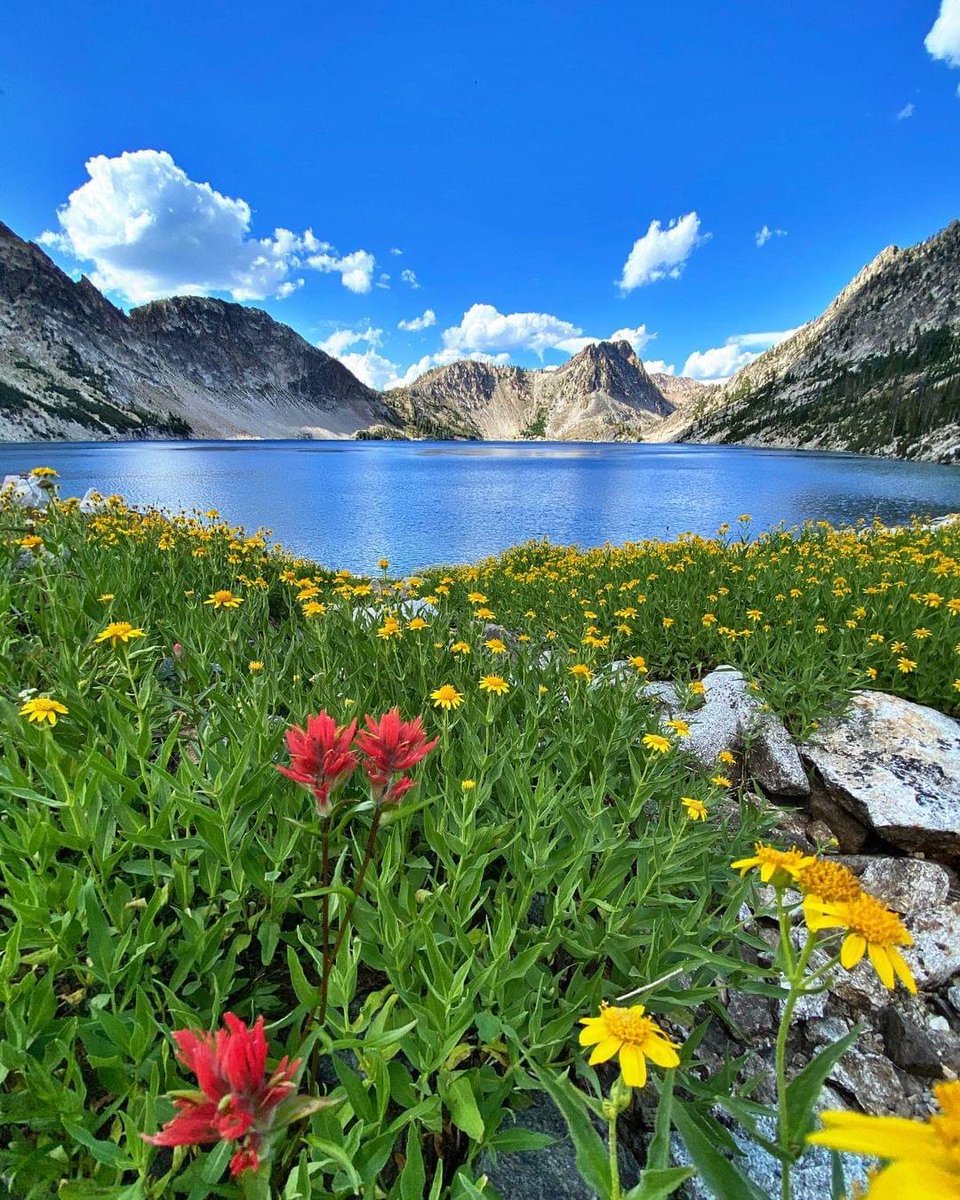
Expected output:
(878, 372)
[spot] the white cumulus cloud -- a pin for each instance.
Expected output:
(342, 339)
(656, 366)
(415, 324)
(638, 338)
(484, 328)
(371, 368)
(355, 270)
(151, 231)
(719, 363)
(762, 236)
(661, 253)
(943, 40)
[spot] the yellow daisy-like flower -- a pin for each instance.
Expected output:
(656, 742)
(726, 757)
(30, 542)
(224, 598)
(871, 929)
(390, 628)
(779, 867)
(106, 597)
(696, 809)
(581, 671)
(829, 881)
(254, 666)
(721, 781)
(679, 727)
(708, 619)
(314, 608)
(697, 688)
(383, 563)
(119, 631)
(446, 697)
(639, 663)
(923, 1157)
(43, 473)
(496, 645)
(476, 597)
(468, 784)
(631, 1035)
(494, 684)
(906, 665)
(667, 622)
(41, 710)
(417, 623)
(460, 648)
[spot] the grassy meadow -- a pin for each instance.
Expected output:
(157, 871)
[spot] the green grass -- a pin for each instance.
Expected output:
(156, 870)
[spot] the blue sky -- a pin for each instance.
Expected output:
(517, 153)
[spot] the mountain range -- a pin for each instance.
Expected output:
(878, 372)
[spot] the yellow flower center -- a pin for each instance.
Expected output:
(876, 923)
(832, 882)
(629, 1025)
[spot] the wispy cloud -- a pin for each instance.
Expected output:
(762, 236)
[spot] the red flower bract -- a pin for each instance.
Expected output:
(237, 1100)
(320, 756)
(389, 747)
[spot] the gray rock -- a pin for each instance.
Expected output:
(907, 885)
(908, 1045)
(894, 767)
(821, 1031)
(752, 1015)
(953, 998)
(935, 954)
(871, 1080)
(732, 718)
(24, 491)
(92, 502)
(549, 1174)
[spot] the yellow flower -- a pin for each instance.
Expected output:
(726, 757)
(476, 598)
(105, 598)
(119, 631)
(43, 473)
(496, 646)
(543, 689)
(679, 727)
(721, 781)
(383, 563)
(708, 619)
(697, 688)
(468, 784)
(829, 881)
(922, 1156)
(390, 628)
(42, 710)
(779, 867)
(667, 622)
(655, 742)
(871, 929)
(31, 542)
(417, 623)
(696, 809)
(494, 684)
(460, 648)
(631, 1035)
(906, 665)
(639, 663)
(254, 665)
(581, 671)
(224, 599)
(446, 697)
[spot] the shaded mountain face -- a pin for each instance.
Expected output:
(603, 393)
(877, 373)
(74, 366)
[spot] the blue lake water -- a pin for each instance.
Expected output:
(347, 504)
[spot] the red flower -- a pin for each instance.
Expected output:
(320, 756)
(391, 746)
(237, 1100)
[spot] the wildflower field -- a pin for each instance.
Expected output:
(401, 932)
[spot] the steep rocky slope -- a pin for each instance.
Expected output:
(877, 373)
(601, 394)
(74, 366)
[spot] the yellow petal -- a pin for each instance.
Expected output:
(595, 1032)
(605, 1050)
(914, 1181)
(882, 964)
(661, 1052)
(883, 1137)
(744, 864)
(902, 969)
(633, 1066)
(852, 950)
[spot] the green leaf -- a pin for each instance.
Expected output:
(806, 1085)
(457, 1095)
(723, 1179)
(511, 1141)
(108, 1153)
(593, 1162)
(657, 1184)
(658, 1152)
(305, 992)
(413, 1177)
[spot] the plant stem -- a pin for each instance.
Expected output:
(615, 1193)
